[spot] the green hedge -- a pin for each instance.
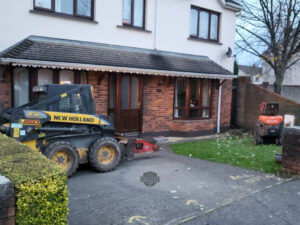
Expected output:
(40, 185)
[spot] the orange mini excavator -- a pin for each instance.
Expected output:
(269, 125)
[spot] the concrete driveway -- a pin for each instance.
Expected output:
(190, 190)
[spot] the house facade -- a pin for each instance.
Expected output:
(291, 82)
(156, 66)
(253, 71)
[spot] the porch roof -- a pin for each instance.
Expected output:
(44, 52)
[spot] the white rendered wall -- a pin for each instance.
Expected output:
(291, 78)
(17, 23)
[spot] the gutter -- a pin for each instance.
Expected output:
(232, 6)
(105, 68)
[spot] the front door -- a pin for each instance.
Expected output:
(125, 102)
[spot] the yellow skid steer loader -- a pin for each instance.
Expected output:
(61, 123)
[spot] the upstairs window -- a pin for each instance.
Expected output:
(134, 13)
(78, 8)
(204, 24)
(192, 99)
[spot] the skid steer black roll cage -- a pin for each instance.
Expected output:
(60, 98)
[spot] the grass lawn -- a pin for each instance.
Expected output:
(235, 149)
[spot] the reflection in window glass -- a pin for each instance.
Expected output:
(138, 13)
(134, 93)
(112, 92)
(203, 24)
(43, 4)
(179, 113)
(195, 94)
(206, 98)
(125, 92)
(194, 98)
(83, 77)
(197, 104)
(214, 27)
(194, 22)
(84, 7)
(127, 11)
(66, 76)
(205, 93)
(180, 93)
(64, 6)
(21, 86)
(45, 77)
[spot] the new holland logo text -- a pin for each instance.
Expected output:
(74, 119)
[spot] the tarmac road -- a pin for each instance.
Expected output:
(189, 191)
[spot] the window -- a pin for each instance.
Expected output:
(192, 99)
(204, 24)
(45, 76)
(134, 13)
(21, 86)
(74, 103)
(66, 76)
(78, 8)
(83, 77)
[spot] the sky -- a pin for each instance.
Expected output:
(245, 58)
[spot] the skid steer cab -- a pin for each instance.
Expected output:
(61, 123)
(270, 124)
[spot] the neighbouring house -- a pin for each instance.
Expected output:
(157, 67)
(291, 82)
(253, 71)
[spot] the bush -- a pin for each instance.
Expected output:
(40, 186)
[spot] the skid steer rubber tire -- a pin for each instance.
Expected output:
(105, 154)
(63, 154)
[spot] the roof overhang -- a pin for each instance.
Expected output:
(105, 68)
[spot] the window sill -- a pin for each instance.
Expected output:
(204, 40)
(134, 28)
(62, 15)
(196, 120)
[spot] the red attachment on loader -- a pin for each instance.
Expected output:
(145, 145)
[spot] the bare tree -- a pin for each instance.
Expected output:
(270, 29)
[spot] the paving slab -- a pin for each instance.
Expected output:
(187, 188)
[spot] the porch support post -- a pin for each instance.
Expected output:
(219, 107)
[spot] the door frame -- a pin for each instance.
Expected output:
(118, 99)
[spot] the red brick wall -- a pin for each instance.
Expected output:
(99, 81)
(158, 109)
(5, 92)
(158, 106)
(249, 98)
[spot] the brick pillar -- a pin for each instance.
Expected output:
(7, 202)
(291, 151)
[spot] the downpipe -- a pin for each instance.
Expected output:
(219, 108)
